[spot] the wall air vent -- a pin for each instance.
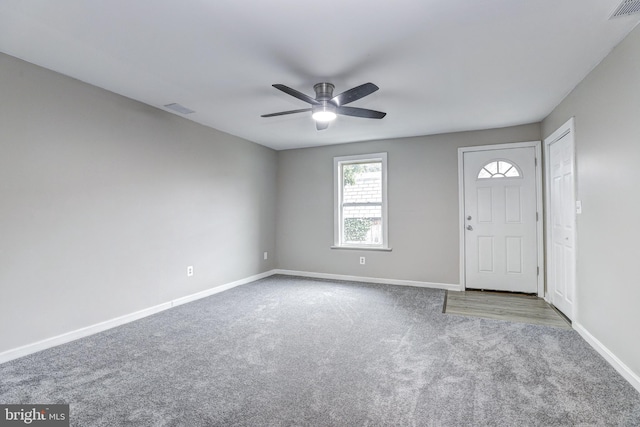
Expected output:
(627, 7)
(179, 108)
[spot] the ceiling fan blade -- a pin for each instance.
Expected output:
(354, 94)
(360, 112)
(322, 125)
(301, 96)
(282, 113)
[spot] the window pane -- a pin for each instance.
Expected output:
(492, 167)
(362, 183)
(512, 172)
(503, 166)
(362, 224)
(484, 174)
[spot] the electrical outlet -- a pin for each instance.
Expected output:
(266, 255)
(363, 260)
(190, 271)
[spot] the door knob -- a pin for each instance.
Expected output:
(469, 227)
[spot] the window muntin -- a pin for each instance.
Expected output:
(499, 169)
(360, 206)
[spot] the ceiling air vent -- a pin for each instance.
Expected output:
(627, 7)
(179, 108)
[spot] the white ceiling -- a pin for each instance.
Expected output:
(441, 65)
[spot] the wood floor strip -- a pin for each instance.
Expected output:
(504, 306)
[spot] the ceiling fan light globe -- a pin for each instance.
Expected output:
(324, 116)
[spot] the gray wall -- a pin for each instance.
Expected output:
(606, 106)
(105, 201)
(423, 206)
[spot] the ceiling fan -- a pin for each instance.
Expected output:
(325, 106)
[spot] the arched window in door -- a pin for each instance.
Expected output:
(499, 169)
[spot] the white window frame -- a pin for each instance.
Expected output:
(337, 205)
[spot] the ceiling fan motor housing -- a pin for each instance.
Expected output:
(324, 92)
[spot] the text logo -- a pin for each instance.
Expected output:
(34, 415)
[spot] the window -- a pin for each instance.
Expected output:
(361, 201)
(499, 169)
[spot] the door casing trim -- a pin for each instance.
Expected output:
(537, 145)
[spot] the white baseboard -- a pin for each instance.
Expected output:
(221, 288)
(80, 333)
(618, 365)
(112, 323)
(447, 286)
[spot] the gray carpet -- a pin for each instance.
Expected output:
(290, 351)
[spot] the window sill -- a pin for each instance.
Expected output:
(362, 248)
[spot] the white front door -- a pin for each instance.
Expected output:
(561, 251)
(500, 235)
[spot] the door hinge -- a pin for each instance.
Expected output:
(537, 271)
(537, 217)
(535, 161)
